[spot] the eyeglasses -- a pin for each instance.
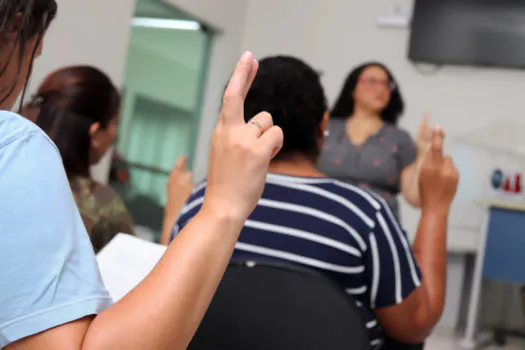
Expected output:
(373, 82)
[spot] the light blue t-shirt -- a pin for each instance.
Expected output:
(48, 272)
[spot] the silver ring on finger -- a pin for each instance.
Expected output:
(257, 124)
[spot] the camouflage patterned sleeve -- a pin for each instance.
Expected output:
(114, 219)
(102, 210)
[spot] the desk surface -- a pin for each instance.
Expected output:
(466, 240)
(501, 204)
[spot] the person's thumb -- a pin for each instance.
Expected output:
(272, 141)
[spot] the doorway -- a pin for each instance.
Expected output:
(164, 85)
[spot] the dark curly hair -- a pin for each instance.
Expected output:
(291, 91)
(344, 107)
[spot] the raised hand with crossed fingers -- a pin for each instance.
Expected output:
(439, 177)
(421, 311)
(240, 152)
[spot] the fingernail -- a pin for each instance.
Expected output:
(246, 57)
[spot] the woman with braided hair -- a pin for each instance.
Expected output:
(52, 296)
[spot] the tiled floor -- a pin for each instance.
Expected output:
(443, 340)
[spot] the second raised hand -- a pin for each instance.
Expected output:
(439, 177)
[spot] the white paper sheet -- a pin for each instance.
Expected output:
(125, 262)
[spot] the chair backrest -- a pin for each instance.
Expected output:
(273, 307)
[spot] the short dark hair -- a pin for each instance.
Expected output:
(68, 102)
(37, 15)
(291, 91)
(344, 105)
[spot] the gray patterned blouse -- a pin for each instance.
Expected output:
(376, 164)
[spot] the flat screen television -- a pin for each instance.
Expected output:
(469, 32)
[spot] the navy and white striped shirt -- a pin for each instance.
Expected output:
(338, 229)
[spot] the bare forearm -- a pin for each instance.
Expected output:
(413, 319)
(166, 308)
(430, 250)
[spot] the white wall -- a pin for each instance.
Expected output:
(94, 32)
(337, 35)
(227, 16)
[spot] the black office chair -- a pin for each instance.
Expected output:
(280, 307)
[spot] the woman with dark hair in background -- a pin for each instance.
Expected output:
(52, 296)
(78, 108)
(364, 145)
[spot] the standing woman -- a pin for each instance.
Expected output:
(52, 295)
(364, 146)
(78, 107)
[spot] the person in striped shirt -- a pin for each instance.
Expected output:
(345, 232)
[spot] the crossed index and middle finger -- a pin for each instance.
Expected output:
(270, 137)
(238, 87)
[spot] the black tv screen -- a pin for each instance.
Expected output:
(469, 32)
